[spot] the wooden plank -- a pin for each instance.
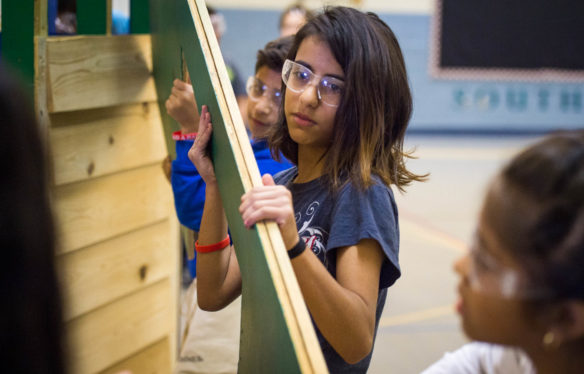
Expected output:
(109, 17)
(301, 332)
(92, 143)
(92, 211)
(18, 26)
(273, 310)
(41, 18)
(40, 87)
(99, 274)
(139, 16)
(91, 17)
(118, 330)
(152, 360)
(88, 72)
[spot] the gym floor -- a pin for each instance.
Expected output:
(437, 219)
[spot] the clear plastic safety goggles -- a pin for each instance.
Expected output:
(298, 77)
(256, 89)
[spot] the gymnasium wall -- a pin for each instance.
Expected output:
(440, 105)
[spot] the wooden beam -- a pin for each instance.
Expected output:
(88, 72)
(41, 18)
(273, 311)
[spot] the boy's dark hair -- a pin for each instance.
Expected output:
(30, 317)
(274, 54)
(373, 115)
(540, 219)
(296, 7)
(211, 10)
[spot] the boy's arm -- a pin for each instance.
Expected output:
(182, 106)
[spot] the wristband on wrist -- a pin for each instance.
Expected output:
(212, 247)
(178, 135)
(297, 249)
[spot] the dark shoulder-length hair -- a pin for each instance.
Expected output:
(30, 317)
(536, 209)
(373, 115)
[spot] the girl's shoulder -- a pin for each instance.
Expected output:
(284, 177)
(377, 188)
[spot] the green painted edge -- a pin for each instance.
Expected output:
(91, 17)
(166, 61)
(18, 39)
(139, 16)
(266, 345)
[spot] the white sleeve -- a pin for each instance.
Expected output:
(465, 360)
(482, 358)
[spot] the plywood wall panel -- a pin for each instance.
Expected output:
(87, 72)
(91, 143)
(95, 210)
(99, 274)
(152, 360)
(116, 331)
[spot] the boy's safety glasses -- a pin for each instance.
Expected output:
(298, 77)
(256, 89)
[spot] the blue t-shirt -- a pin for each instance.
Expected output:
(327, 222)
(188, 186)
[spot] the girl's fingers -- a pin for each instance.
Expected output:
(257, 205)
(259, 195)
(267, 212)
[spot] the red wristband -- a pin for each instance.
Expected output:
(212, 247)
(178, 135)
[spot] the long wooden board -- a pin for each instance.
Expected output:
(99, 274)
(273, 311)
(152, 360)
(88, 72)
(92, 143)
(120, 329)
(92, 211)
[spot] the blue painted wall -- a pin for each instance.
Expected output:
(439, 105)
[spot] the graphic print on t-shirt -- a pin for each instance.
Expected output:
(314, 237)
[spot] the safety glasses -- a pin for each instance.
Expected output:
(298, 77)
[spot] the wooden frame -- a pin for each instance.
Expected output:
(273, 311)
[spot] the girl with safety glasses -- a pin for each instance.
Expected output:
(345, 110)
(522, 283)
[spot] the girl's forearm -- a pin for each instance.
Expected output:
(342, 315)
(218, 280)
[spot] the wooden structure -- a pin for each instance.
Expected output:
(96, 100)
(118, 235)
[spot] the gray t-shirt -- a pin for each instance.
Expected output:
(326, 222)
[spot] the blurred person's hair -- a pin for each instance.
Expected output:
(31, 322)
(295, 7)
(540, 217)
